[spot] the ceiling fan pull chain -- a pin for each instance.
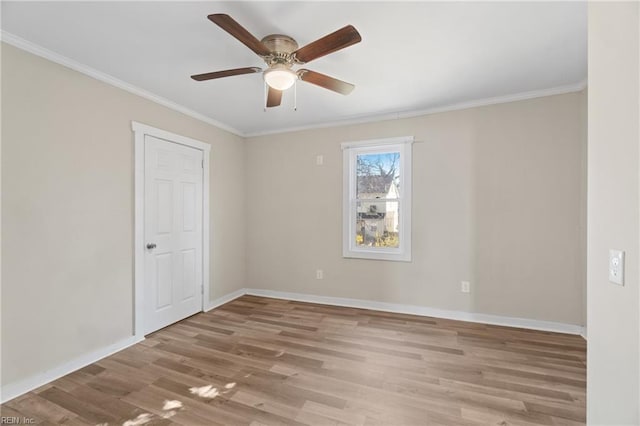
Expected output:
(264, 102)
(295, 95)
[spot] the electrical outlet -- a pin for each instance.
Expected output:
(465, 287)
(319, 274)
(319, 160)
(616, 266)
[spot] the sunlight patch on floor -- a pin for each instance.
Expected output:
(140, 420)
(171, 404)
(205, 391)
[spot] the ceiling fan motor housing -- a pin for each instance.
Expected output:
(281, 47)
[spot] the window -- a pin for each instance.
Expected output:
(377, 199)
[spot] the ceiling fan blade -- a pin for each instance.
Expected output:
(228, 24)
(325, 81)
(335, 41)
(274, 97)
(225, 73)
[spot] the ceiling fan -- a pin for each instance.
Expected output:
(280, 53)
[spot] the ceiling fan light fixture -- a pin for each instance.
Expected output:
(280, 78)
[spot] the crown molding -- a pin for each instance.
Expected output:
(38, 50)
(362, 119)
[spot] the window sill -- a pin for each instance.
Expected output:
(368, 255)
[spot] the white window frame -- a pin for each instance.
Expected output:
(350, 151)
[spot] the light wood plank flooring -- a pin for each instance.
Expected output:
(267, 361)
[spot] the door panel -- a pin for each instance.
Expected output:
(164, 283)
(188, 274)
(164, 205)
(173, 222)
(188, 206)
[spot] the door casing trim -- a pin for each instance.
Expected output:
(140, 131)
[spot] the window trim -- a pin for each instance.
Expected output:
(350, 151)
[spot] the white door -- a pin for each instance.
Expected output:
(173, 232)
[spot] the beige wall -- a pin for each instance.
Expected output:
(67, 211)
(613, 368)
(499, 200)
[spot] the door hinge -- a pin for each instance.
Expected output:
(202, 164)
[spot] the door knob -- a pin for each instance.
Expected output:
(151, 246)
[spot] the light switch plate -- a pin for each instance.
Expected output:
(616, 266)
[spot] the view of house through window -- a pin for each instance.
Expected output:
(377, 199)
(377, 193)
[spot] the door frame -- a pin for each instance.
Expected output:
(140, 131)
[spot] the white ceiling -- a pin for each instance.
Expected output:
(413, 56)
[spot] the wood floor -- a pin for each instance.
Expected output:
(267, 361)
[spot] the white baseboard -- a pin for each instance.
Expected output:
(584, 332)
(531, 324)
(224, 299)
(13, 390)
